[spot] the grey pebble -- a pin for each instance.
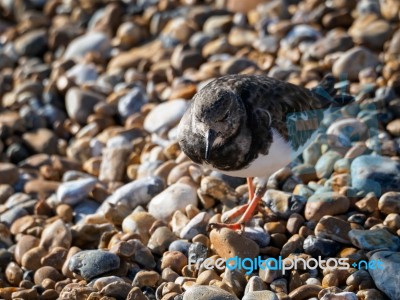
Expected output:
(92, 263)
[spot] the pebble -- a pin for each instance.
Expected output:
(165, 115)
(353, 61)
(229, 243)
(283, 204)
(49, 240)
(375, 174)
(260, 295)
(197, 225)
(316, 246)
(326, 203)
(374, 239)
(340, 296)
(8, 173)
(160, 240)
(325, 164)
(41, 140)
(72, 192)
(92, 263)
(139, 222)
(386, 279)
(333, 228)
(132, 102)
(92, 41)
(389, 203)
(135, 193)
(79, 104)
(207, 293)
(175, 197)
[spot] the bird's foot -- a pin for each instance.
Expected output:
(234, 226)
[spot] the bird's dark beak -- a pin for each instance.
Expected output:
(211, 135)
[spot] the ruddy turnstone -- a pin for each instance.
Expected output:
(238, 125)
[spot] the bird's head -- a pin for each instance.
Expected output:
(218, 114)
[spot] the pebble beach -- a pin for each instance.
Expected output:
(98, 202)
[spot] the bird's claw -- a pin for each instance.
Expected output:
(234, 226)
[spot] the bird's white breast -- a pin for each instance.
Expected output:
(280, 155)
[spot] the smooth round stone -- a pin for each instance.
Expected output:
(85, 208)
(205, 292)
(9, 216)
(389, 203)
(181, 246)
(324, 165)
(374, 173)
(91, 41)
(394, 127)
(146, 279)
(316, 246)
(135, 193)
(82, 73)
(113, 164)
(216, 25)
(72, 192)
(165, 115)
(348, 130)
(339, 296)
(176, 197)
(254, 284)
(63, 238)
(353, 61)
(374, 239)
(132, 102)
(325, 203)
(140, 223)
(257, 234)
(79, 104)
(32, 43)
(47, 272)
(371, 31)
(334, 229)
(334, 41)
(92, 263)
(197, 225)
(260, 295)
(387, 278)
(104, 281)
(160, 240)
(229, 243)
(301, 33)
(306, 173)
(283, 204)
(312, 153)
(175, 260)
(8, 173)
(236, 65)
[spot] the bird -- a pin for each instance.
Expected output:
(252, 126)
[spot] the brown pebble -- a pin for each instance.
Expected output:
(305, 292)
(228, 243)
(47, 272)
(65, 212)
(31, 260)
(55, 258)
(175, 260)
(146, 278)
(14, 274)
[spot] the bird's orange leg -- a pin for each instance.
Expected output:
(238, 211)
(246, 210)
